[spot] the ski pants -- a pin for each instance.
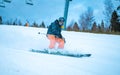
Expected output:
(54, 40)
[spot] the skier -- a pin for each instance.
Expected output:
(54, 34)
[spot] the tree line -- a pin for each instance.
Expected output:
(89, 26)
(18, 22)
(86, 22)
(110, 23)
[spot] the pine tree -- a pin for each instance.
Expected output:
(76, 27)
(0, 20)
(99, 28)
(102, 26)
(35, 24)
(42, 25)
(15, 22)
(94, 27)
(115, 25)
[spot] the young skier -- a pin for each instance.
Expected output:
(54, 34)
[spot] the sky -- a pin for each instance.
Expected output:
(50, 10)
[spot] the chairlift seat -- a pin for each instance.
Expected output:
(29, 2)
(2, 4)
(8, 1)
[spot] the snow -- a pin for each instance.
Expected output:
(16, 59)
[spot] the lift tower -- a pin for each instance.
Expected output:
(66, 12)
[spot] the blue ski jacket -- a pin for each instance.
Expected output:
(55, 29)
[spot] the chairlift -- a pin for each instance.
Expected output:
(8, 1)
(2, 4)
(29, 2)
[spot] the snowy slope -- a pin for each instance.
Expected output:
(16, 59)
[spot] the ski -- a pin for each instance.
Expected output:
(61, 53)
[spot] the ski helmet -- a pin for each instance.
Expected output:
(61, 19)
